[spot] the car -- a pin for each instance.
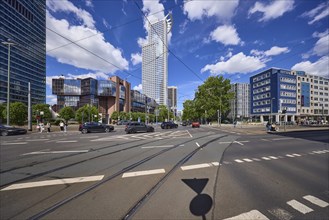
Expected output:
(88, 127)
(122, 122)
(184, 123)
(9, 130)
(195, 124)
(169, 124)
(133, 127)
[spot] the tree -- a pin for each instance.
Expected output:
(37, 108)
(18, 113)
(66, 113)
(2, 114)
(213, 95)
(163, 113)
(189, 112)
(83, 113)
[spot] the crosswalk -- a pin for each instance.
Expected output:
(300, 205)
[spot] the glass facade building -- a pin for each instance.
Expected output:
(155, 61)
(240, 105)
(23, 22)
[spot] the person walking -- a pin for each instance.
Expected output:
(61, 125)
(48, 127)
(65, 127)
(42, 127)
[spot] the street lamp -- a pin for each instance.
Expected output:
(9, 43)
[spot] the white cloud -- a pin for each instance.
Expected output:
(238, 63)
(51, 99)
(322, 45)
(89, 3)
(136, 58)
(273, 10)
(138, 88)
(223, 10)
(226, 35)
(319, 68)
(142, 41)
(76, 56)
(276, 51)
(318, 13)
(106, 24)
(68, 7)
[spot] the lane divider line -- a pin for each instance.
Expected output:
(143, 173)
(199, 166)
(53, 182)
(56, 152)
(163, 146)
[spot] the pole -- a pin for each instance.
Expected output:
(29, 110)
(217, 117)
(8, 86)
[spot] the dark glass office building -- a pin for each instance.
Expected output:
(23, 22)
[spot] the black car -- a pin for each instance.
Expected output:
(169, 124)
(133, 127)
(184, 123)
(95, 127)
(9, 130)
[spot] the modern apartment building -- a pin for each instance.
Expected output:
(155, 61)
(109, 95)
(240, 105)
(312, 96)
(23, 43)
(274, 95)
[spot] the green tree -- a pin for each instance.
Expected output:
(83, 113)
(18, 113)
(189, 113)
(2, 114)
(66, 113)
(163, 113)
(115, 115)
(37, 108)
(213, 95)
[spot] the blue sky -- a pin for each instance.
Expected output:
(234, 38)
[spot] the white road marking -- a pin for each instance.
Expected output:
(56, 152)
(197, 144)
(143, 173)
(199, 166)
(299, 206)
(281, 214)
(189, 133)
(228, 142)
(66, 141)
(297, 155)
(289, 155)
(44, 139)
(266, 158)
(256, 159)
(238, 142)
(279, 139)
(53, 182)
(163, 146)
(253, 214)
(275, 158)
(248, 160)
(13, 143)
(182, 145)
(266, 140)
(316, 201)
(238, 161)
(226, 162)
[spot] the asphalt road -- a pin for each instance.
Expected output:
(184, 173)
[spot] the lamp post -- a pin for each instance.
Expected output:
(271, 109)
(9, 44)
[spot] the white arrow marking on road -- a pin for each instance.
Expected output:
(143, 173)
(253, 214)
(316, 201)
(53, 182)
(299, 206)
(56, 152)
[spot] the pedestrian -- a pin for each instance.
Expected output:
(268, 126)
(61, 125)
(41, 127)
(48, 127)
(234, 123)
(65, 127)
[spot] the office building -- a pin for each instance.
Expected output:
(23, 24)
(274, 95)
(312, 97)
(240, 104)
(155, 61)
(172, 97)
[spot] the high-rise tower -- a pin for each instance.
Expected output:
(155, 61)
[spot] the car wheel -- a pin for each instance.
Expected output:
(107, 130)
(84, 131)
(4, 133)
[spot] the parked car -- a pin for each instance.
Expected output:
(9, 130)
(95, 127)
(184, 123)
(195, 124)
(123, 122)
(133, 127)
(169, 124)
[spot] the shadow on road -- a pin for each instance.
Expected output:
(321, 135)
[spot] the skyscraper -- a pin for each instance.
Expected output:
(23, 23)
(155, 61)
(172, 96)
(240, 105)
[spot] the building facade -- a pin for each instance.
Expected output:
(240, 105)
(155, 61)
(172, 96)
(23, 22)
(273, 95)
(312, 97)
